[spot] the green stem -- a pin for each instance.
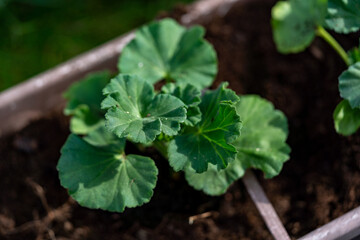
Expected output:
(321, 32)
(161, 147)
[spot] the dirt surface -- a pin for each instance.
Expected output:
(318, 184)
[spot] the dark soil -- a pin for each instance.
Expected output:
(319, 183)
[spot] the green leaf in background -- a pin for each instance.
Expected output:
(3, 4)
(354, 55)
(346, 119)
(190, 95)
(261, 145)
(166, 50)
(210, 141)
(349, 85)
(294, 23)
(343, 16)
(84, 99)
(104, 178)
(134, 111)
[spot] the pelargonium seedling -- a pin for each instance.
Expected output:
(213, 135)
(296, 23)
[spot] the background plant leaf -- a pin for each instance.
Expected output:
(261, 145)
(104, 178)
(294, 23)
(343, 16)
(134, 111)
(190, 95)
(84, 99)
(346, 119)
(210, 140)
(349, 85)
(166, 50)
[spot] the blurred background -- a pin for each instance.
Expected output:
(36, 35)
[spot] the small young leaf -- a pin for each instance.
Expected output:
(343, 16)
(166, 50)
(84, 100)
(210, 140)
(346, 119)
(84, 120)
(104, 178)
(190, 95)
(354, 55)
(261, 145)
(101, 137)
(294, 23)
(349, 85)
(134, 111)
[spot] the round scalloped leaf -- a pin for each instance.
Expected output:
(84, 99)
(294, 23)
(343, 16)
(349, 85)
(166, 50)
(261, 145)
(134, 111)
(346, 119)
(103, 178)
(210, 140)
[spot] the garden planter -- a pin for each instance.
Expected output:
(318, 185)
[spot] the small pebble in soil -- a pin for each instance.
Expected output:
(25, 144)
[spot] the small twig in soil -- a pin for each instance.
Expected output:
(40, 192)
(42, 225)
(51, 234)
(192, 219)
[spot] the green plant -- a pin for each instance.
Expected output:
(295, 24)
(196, 129)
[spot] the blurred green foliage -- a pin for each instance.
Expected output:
(38, 34)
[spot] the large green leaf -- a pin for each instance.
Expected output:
(134, 111)
(346, 119)
(294, 23)
(349, 85)
(343, 15)
(100, 177)
(210, 140)
(84, 100)
(190, 95)
(166, 50)
(261, 145)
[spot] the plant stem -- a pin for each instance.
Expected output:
(321, 32)
(161, 147)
